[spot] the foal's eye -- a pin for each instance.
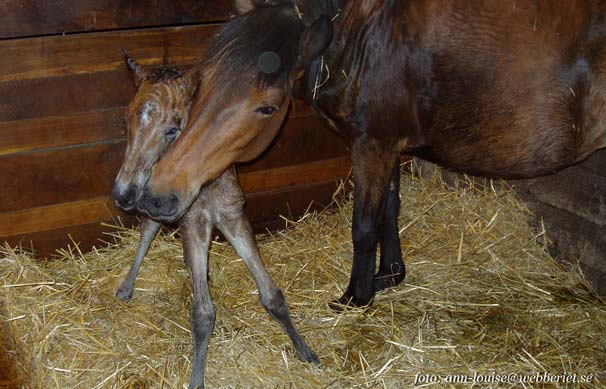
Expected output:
(171, 132)
(267, 111)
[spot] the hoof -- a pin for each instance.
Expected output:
(309, 356)
(347, 302)
(388, 280)
(124, 294)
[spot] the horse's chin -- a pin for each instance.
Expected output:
(167, 218)
(164, 209)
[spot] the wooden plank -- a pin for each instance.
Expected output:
(294, 175)
(66, 95)
(573, 190)
(70, 130)
(46, 243)
(595, 164)
(86, 53)
(262, 209)
(57, 216)
(67, 214)
(29, 180)
(28, 18)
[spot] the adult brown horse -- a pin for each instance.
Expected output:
(156, 116)
(488, 87)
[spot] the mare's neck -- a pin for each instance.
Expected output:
(356, 23)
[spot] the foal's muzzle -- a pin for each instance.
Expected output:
(125, 198)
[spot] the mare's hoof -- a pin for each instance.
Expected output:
(388, 280)
(346, 302)
(124, 294)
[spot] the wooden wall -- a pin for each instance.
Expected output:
(63, 91)
(572, 206)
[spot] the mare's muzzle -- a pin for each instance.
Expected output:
(163, 208)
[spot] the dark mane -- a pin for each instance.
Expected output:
(313, 9)
(163, 74)
(241, 42)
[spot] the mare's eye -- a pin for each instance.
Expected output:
(172, 132)
(267, 111)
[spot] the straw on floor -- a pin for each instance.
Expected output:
(482, 296)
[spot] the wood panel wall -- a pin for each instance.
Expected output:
(63, 91)
(571, 205)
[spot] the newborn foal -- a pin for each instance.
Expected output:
(156, 116)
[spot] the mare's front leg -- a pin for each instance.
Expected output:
(149, 230)
(196, 229)
(373, 164)
(391, 266)
(234, 225)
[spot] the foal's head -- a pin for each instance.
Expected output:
(247, 80)
(155, 119)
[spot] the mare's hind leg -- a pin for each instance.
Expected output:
(391, 267)
(149, 230)
(196, 232)
(234, 225)
(373, 162)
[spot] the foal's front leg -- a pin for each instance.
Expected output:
(149, 230)
(196, 231)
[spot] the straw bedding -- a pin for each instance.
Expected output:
(481, 296)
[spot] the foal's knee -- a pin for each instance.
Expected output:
(275, 303)
(203, 320)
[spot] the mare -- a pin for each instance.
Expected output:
(158, 112)
(511, 89)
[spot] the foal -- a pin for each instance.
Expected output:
(156, 116)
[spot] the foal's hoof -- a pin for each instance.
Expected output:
(124, 294)
(308, 355)
(388, 279)
(346, 302)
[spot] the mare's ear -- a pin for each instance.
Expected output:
(190, 82)
(314, 41)
(137, 72)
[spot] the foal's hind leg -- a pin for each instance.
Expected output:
(391, 267)
(233, 224)
(149, 230)
(240, 235)
(196, 231)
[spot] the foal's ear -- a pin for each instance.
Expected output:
(243, 6)
(314, 41)
(191, 82)
(136, 70)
